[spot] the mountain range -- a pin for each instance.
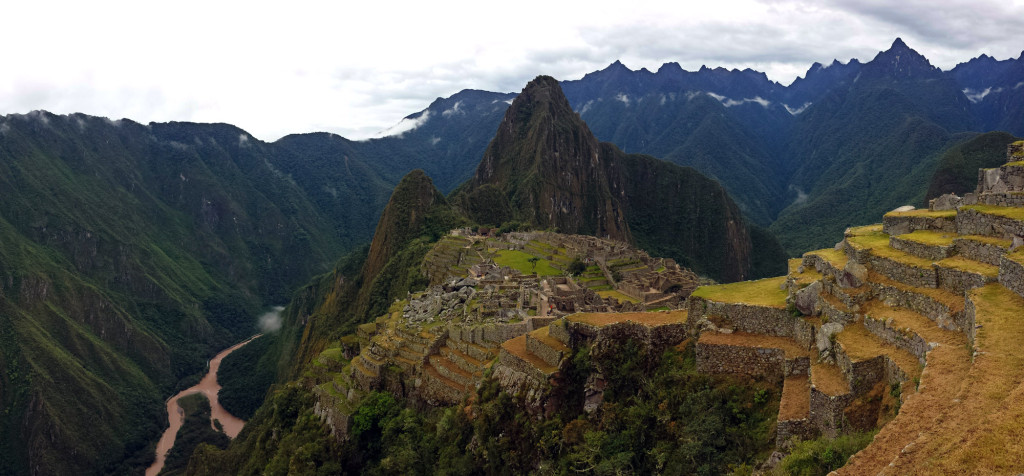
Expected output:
(129, 252)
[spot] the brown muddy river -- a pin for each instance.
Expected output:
(209, 387)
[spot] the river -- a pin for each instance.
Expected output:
(176, 416)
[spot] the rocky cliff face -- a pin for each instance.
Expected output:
(545, 164)
(545, 168)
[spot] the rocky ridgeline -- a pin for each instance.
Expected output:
(899, 326)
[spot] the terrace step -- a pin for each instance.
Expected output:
(450, 370)
(543, 345)
(899, 223)
(796, 398)
(958, 274)
(928, 244)
(862, 349)
(463, 360)
(986, 249)
(873, 250)
(828, 261)
(829, 379)
(450, 391)
(516, 348)
(939, 305)
(407, 365)
(988, 220)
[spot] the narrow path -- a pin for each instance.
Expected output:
(209, 387)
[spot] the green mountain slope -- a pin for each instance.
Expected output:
(129, 254)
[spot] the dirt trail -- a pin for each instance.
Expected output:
(209, 387)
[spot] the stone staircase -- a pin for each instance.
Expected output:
(928, 305)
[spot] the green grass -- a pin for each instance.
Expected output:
(930, 237)
(618, 296)
(519, 260)
(924, 212)
(764, 292)
(1014, 213)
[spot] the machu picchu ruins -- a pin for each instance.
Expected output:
(911, 326)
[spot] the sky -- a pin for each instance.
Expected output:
(357, 68)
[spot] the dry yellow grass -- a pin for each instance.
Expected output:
(829, 379)
(544, 336)
(971, 266)
(860, 344)
(878, 244)
(517, 347)
(650, 319)
(796, 398)
(743, 339)
(908, 319)
(953, 301)
(764, 292)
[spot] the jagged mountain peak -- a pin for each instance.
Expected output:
(901, 61)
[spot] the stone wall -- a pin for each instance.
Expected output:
(893, 224)
(1011, 275)
(329, 409)
(864, 374)
(972, 222)
(549, 355)
(932, 252)
(979, 251)
(827, 412)
(902, 338)
(801, 429)
(753, 361)
(763, 320)
(657, 337)
(958, 280)
(922, 303)
(905, 273)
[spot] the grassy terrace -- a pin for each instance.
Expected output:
(517, 346)
(954, 302)
(796, 401)
(837, 257)
(878, 244)
(650, 319)
(543, 334)
(971, 266)
(829, 379)
(617, 295)
(982, 434)
(1013, 213)
(767, 292)
(520, 261)
(930, 237)
(805, 278)
(908, 319)
(758, 341)
(860, 344)
(864, 230)
(1017, 256)
(988, 240)
(924, 213)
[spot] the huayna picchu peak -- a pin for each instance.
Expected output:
(546, 169)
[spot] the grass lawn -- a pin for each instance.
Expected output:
(519, 260)
(618, 296)
(763, 292)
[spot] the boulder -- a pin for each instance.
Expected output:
(823, 339)
(806, 299)
(948, 201)
(853, 276)
(904, 208)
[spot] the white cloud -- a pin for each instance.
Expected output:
(795, 111)
(229, 69)
(623, 98)
(734, 102)
(4, 128)
(453, 110)
(434, 140)
(405, 125)
(243, 140)
(977, 96)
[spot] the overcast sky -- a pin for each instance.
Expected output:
(356, 68)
